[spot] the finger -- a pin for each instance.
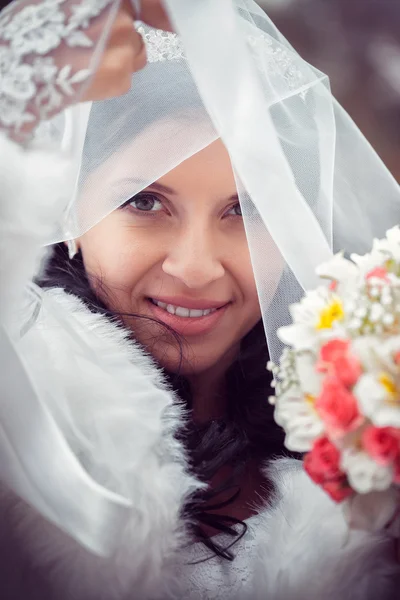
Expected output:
(140, 58)
(124, 34)
(114, 76)
(153, 13)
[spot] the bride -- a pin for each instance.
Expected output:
(140, 458)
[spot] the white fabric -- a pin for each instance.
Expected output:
(143, 461)
(90, 512)
(206, 576)
(296, 549)
(316, 159)
(48, 54)
(150, 561)
(305, 174)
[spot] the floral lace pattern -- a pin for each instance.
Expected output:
(208, 577)
(32, 84)
(161, 45)
(276, 60)
(269, 56)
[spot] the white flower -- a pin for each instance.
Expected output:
(363, 473)
(368, 262)
(379, 398)
(338, 269)
(390, 244)
(376, 313)
(317, 316)
(309, 379)
(295, 413)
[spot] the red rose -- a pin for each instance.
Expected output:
(382, 444)
(378, 273)
(322, 462)
(337, 406)
(322, 466)
(338, 489)
(336, 359)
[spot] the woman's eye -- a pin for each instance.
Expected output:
(235, 210)
(146, 203)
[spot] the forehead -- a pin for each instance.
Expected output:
(188, 151)
(208, 169)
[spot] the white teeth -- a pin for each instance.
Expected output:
(180, 311)
(196, 313)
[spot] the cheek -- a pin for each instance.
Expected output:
(242, 270)
(110, 252)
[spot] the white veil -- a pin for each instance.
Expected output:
(309, 183)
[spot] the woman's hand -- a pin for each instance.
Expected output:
(57, 75)
(125, 52)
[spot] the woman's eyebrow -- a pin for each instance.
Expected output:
(162, 188)
(144, 185)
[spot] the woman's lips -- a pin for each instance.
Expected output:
(189, 326)
(200, 304)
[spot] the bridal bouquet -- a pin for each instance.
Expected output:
(337, 387)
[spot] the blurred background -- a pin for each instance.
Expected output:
(357, 44)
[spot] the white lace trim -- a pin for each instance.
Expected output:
(32, 85)
(161, 45)
(274, 58)
(268, 53)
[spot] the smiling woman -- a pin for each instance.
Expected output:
(180, 233)
(200, 261)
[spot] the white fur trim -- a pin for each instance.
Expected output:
(129, 418)
(307, 553)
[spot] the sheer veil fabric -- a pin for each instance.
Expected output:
(308, 182)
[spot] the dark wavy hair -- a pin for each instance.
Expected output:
(247, 431)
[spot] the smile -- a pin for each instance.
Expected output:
(196, 318)
(181, 311)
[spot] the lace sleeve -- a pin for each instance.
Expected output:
(48, 51)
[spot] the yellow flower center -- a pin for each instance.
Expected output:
(331, 313)
(310, 399)
(389, 384)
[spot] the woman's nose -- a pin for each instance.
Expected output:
(193, 259)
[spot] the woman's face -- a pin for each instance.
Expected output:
(177, 253)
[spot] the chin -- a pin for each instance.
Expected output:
(186, 363)
(185, 367)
